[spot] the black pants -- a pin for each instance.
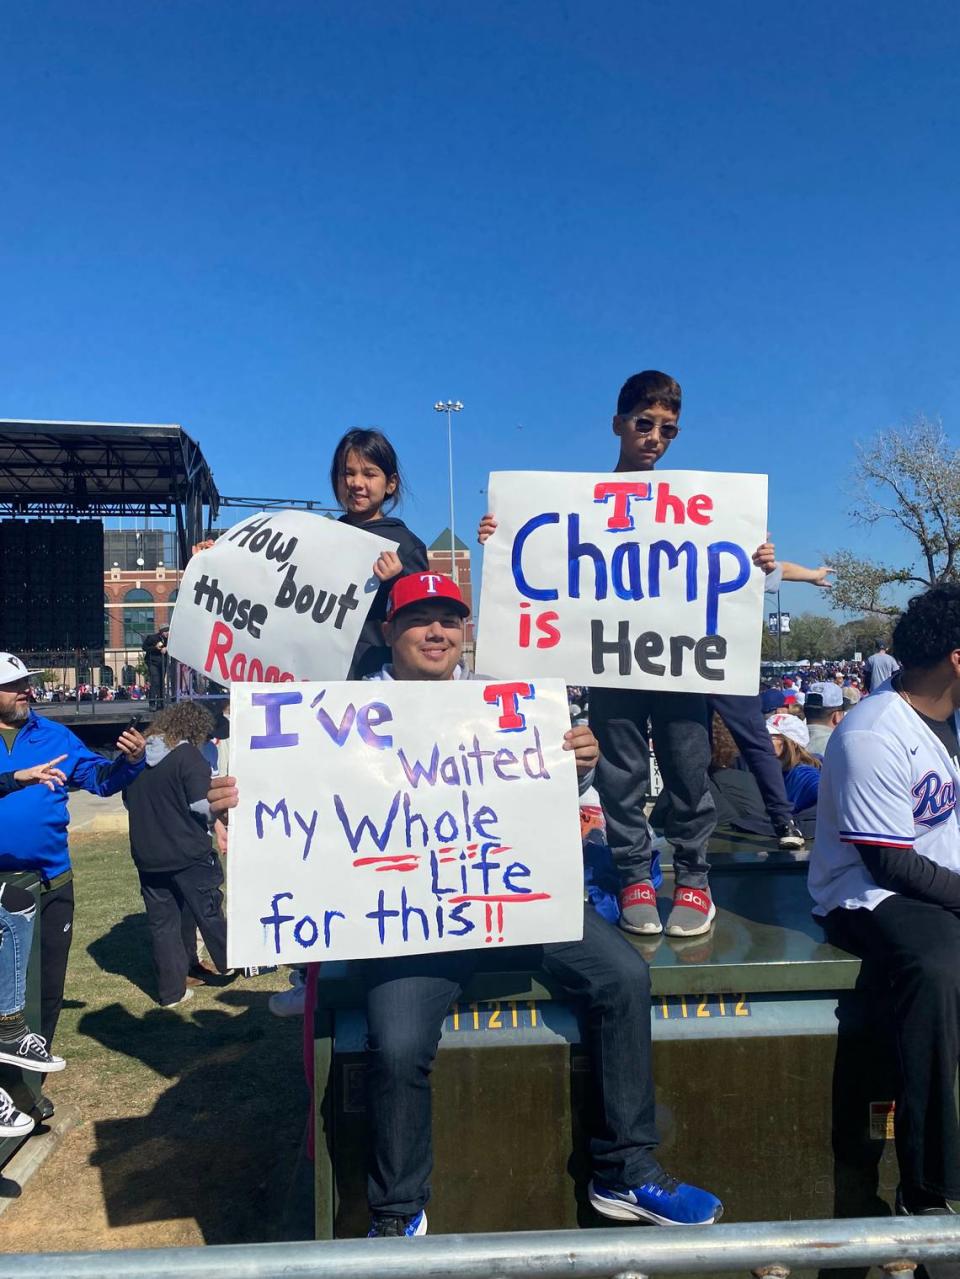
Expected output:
(168, 896)
(743, 716)
(157, 691)
(917, 946)
(621, 720)
(56, 934)
(407, 1000)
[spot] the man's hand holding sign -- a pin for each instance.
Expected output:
(625, 580)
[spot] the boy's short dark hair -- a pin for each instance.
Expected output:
(649, 388)
(930, 628)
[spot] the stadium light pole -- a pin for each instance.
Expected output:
(450, 407)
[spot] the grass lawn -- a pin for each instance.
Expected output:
(191, 1118)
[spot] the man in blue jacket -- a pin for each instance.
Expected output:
(33, 829)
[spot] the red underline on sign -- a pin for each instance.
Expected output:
(397, 857)
(499, 897)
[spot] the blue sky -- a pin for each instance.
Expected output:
(270, 220)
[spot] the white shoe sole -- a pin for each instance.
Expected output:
(619, 1211)
(700, 928)
(37, 1067)
(645, 930)
(17, 1129)
(791, 841)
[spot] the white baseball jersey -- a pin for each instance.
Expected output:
(888, 780)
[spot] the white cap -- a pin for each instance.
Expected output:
(789, 726)
(12, 669)
(831, 696)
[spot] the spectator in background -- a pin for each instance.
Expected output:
(823, 711)
(880, 666)
(19, 1045)
(801, 770)
(33, 828)
(155, 655)
(180, 875)
(850, 694)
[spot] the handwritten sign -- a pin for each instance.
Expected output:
(281, 596)
(639, 580)
(389, 818)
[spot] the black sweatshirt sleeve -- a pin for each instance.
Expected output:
(901, 870)
(8, 784)
(413, 553)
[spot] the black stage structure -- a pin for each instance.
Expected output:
(90, 470)
(58, 481)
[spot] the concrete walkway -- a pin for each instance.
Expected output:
(92, 815)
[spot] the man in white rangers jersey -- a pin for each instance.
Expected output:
(885, 877)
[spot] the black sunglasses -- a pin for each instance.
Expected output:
(644, 425)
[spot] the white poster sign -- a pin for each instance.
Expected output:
(634, 580)
(280, 596)
(390, 818)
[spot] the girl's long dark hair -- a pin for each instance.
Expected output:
(373, 446)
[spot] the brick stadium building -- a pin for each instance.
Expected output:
(439, 559)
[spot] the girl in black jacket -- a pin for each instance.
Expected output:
(365, 476)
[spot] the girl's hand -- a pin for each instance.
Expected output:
(387, 566)
(585, 747)
(488, 526)
(45, 774)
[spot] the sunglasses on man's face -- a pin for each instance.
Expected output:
(644, 425)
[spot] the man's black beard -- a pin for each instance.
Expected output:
(20, 714)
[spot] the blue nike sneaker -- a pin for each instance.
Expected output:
(397, 1227)
(660, 1199)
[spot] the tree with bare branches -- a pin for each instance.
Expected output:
(909, 477)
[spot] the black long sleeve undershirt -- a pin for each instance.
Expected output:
(901, 870)
(9, 784)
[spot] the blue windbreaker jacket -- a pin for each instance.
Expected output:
(33, 821)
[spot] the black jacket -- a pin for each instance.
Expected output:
(167, 808)
(371, 652)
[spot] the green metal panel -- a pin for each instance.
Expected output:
(747, 1062)
(24, 1085)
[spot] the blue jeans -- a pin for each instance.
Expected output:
(17, 909)
(407, 1000)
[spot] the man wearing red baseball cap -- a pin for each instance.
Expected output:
(407, 997)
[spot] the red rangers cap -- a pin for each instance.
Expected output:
(417, 587)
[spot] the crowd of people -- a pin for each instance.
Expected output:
(861, 759)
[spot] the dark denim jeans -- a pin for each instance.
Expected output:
(407, 1000)
(622, 720)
